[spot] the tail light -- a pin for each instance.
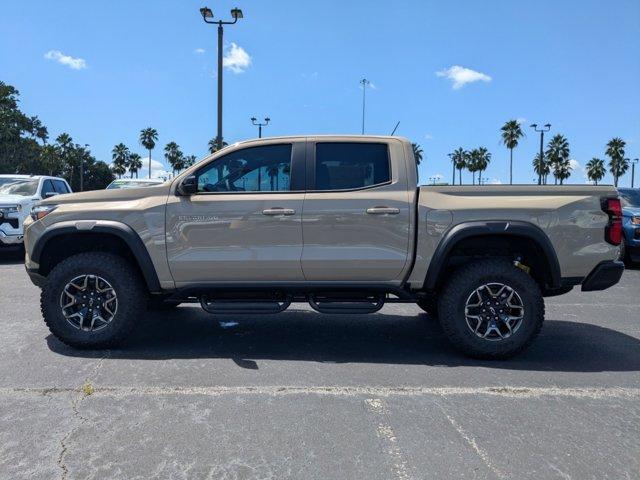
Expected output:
(613, 230)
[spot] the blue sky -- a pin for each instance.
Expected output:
(101, 71)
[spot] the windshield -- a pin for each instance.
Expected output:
(116, 184)
(630, 198)
(25, 187)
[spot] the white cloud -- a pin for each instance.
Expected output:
(495, 181)
(428, 136)
(236, 59)
(521, 120)
(75, 63)
(158, 169)
(460, 76)
(199, 51)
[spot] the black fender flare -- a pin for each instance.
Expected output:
(120, 230)
(491, 228)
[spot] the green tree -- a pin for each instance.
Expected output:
(595, 170)
(618, 165)
(480, 159)
(120, 156)
(459, 158)
(511, 134)
(417, 152)
(148, 139)
(174, 156)
(189, 160)
(541, 168)
(51, 160)
(134, 164)
(213, 145)
(557, 155)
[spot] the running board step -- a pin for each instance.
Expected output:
(227, 306)
(346, 302)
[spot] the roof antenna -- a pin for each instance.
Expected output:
(394, 130)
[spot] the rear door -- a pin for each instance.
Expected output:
(356, 217)
(245, 222)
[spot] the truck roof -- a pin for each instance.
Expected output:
(326, 137)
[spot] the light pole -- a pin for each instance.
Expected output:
(254, 121)
(633, 171)
(207, 16)
(546, 128)
(483, 180)
(364, 82)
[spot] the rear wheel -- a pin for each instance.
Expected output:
(93, 300)
(491, 309)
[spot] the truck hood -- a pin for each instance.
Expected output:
(630, 211)
(16, 199)
(109, 195)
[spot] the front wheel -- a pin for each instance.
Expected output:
(491, 309)
(93, 300)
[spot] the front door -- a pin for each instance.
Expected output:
(356, 217)
(244, 222)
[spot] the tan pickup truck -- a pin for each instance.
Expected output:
(336, 221)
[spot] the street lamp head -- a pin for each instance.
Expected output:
(206, 12)
(267, 119)
(635, 160)
(534, 125)
(547, 126)
(236, 13)
(253, 119)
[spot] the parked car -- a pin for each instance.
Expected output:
(133, 183)
(18, 193)
(338, 222)
(630, 251)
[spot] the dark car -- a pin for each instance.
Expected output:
(630, 223)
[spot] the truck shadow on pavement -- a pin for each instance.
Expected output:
(302, 335)
(11, 256)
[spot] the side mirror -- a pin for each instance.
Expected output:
(50, 194)
(188, 186)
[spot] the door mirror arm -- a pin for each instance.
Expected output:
(188, 186)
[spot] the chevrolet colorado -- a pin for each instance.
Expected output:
(336, 221)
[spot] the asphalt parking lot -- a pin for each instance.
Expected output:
(306, 396)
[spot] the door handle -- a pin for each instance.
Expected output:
(383, 211)
(278, 211)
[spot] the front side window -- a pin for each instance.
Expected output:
(47, 187)
(255, 169)
(345, 166)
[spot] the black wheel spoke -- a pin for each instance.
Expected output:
(494, 311)
(88, 302)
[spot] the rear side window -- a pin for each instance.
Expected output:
(345, 166)
(60, 186)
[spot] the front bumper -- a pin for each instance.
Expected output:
(11, 239)
(604, 275)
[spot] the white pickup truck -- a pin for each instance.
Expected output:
(18, 194)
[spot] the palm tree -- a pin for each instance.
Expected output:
(148, 137)
(558, 157)
(511, 133)
(472, 164)
(173, 155)
(541, 168)
(618, 165)
(213, 145)
(483, 158)
(120, 155)
(134, 164)
(459, 159)
(596, 170)
(189, 160)
(417, 152)
(273, 171)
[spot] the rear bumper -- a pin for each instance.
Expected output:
(604, 275)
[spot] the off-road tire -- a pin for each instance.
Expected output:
(467, 279)
(125, 280)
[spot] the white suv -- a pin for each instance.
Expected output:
(18, 193)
